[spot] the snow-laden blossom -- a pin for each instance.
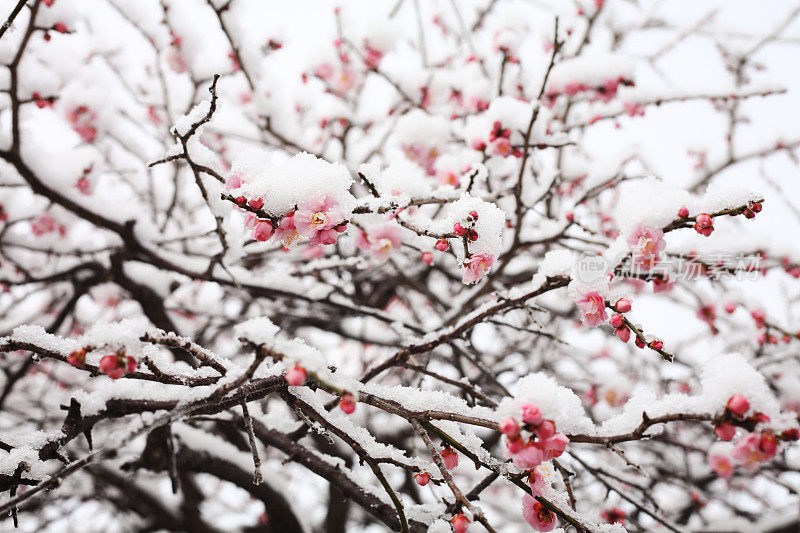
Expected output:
(449, 458)
(176, 62)
(82, 120)
(318, 219)
(721, 464)
(646, 244)
(286, 232)
(755, 448)
(593, 309)
(381, 240)
(234, 181)
(262, 231)
(44, 223)
(529, 457)
(117, 365)
(537, 515)
(475, 267)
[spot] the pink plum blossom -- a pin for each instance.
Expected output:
(592, 308)
(475, 267)
(721, 465)
(646, 244)
(234, 181)
(317, 220)
(554, 446)
(262, 231)
(450, 458)
(529, 457)
(384, 239)
(753, 449)
(537, 515)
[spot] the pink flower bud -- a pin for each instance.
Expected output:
(450, 458)
(768, 444)
(657, 344)
(725, 431)
(623, 334)
(116, 365)
(508, 426)
(792, 434)
(623, 305)
(473, 215)
(427, 258)
(262, 231)
(531, 414)
(570, 216)
(683, 212)
(479, 145)
(705, 231)
(472, 235)
(460, 523)
(546, 430)
(638, 342)
(738, 405)
(422, 478)
(514, 445)
(459, 230)
(616, 320)
(730, 307)
(442, 245)
(704, 221)
(296, 376)
(347, 404)
(554, 446)
(704, 224)
(256, 203)
(77, 357)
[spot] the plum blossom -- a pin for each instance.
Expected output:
(319, 219)
(286, 233)
(537, 515)
(646, 244)
(593, 309)
(382, 240)
(117, 365)
(262, 231)
(721, 464)
(82, 120)
(234, 181)
(450, 458)
(475, 267)
(529, 457)
(755, 448)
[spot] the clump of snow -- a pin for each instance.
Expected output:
(512, 113)
(726, 375)
(556, 402)
(398, 178)
(637, 205)
(490, 224)
(590, 69)
(259, 330)
(301, 353)
(285, 186)
(419, 128)
(184, 123)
